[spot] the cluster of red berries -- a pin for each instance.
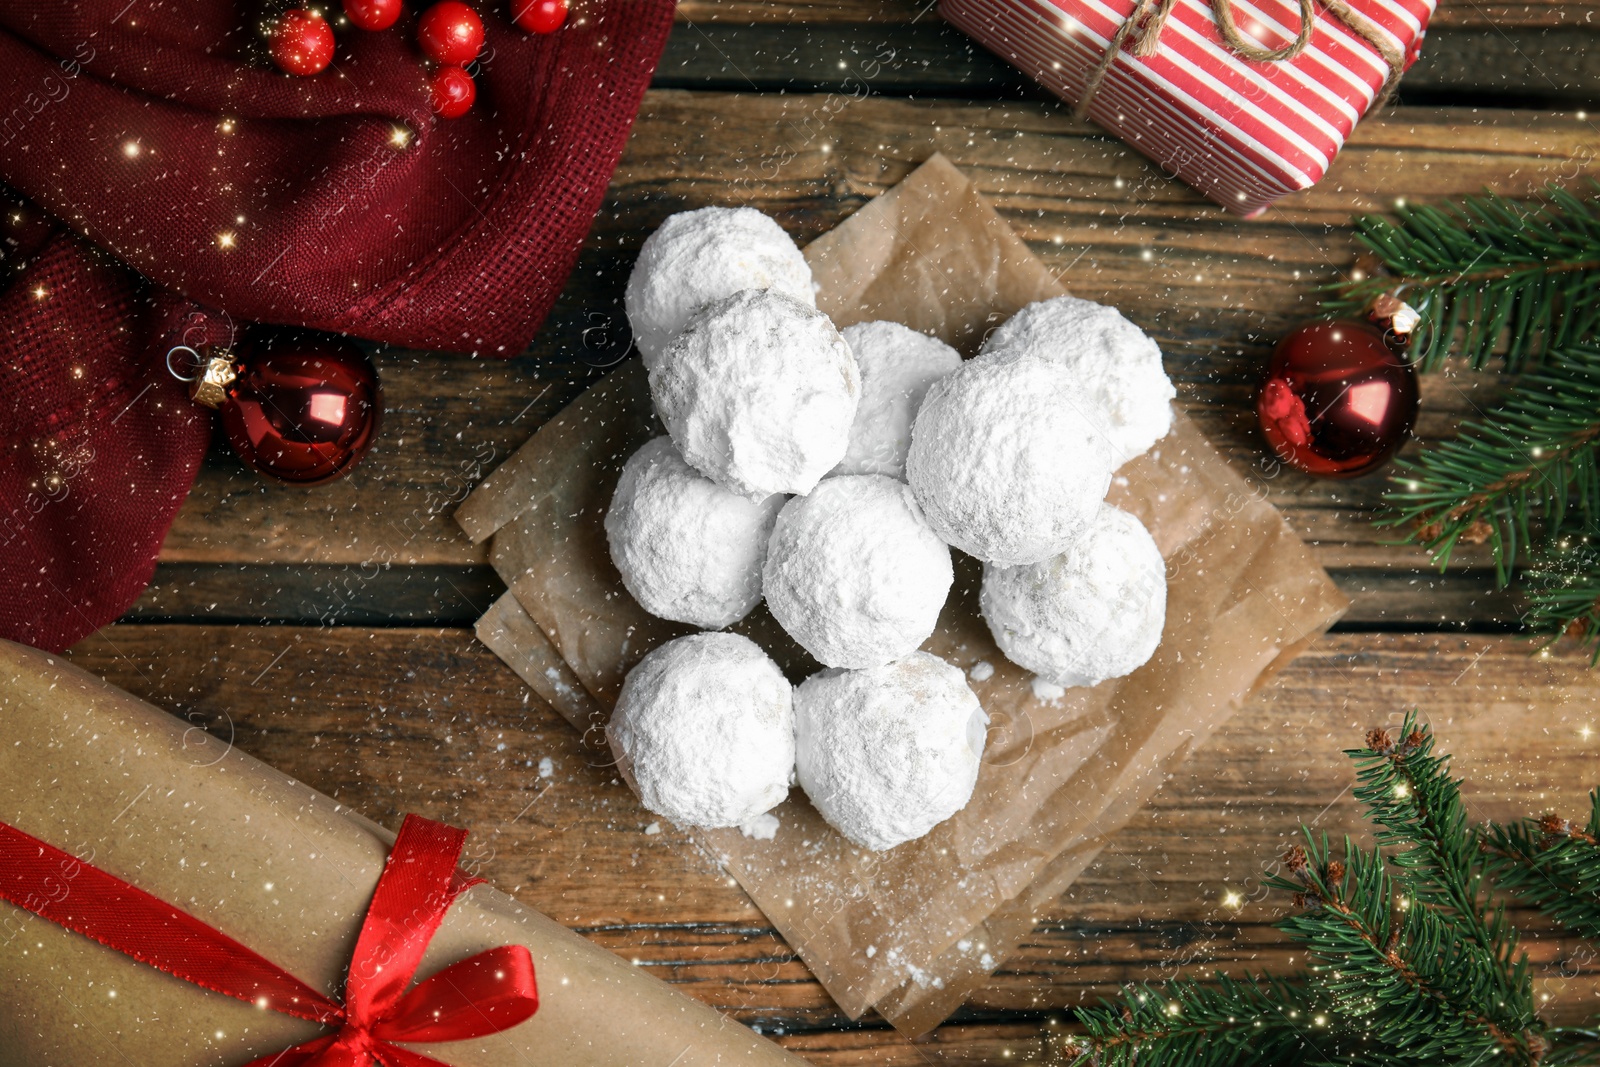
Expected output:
(450, 33)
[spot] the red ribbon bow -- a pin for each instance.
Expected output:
(483, 994)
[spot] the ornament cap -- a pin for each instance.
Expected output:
(211, 386)
(1394, 315)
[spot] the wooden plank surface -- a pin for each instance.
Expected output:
(1537, 66)
(427, 720)
(1549, 13)
(1215, 291)
(371, 687)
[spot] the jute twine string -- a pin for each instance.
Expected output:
(1149, 18)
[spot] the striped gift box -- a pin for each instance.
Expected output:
(1242, 131)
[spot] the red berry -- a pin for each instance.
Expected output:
(539, 16)
(302, 42)
(453, 92)
(372, 14)
(450, 32)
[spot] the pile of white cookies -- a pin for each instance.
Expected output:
(830, 472)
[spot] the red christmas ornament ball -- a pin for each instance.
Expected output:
(302, 42)
(304, 408)
(539, 16)
(453, 92)
(1338, 399)
(450, 32)
(373, 14)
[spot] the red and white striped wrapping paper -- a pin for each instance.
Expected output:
(1242, 132)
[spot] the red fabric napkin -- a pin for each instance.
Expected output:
(153, 130)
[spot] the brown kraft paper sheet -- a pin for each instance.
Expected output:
(284, 870)
(915, 930)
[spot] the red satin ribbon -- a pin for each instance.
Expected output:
(484, 994)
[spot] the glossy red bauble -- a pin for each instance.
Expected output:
(539, 16)
(302, 42)
(453, 92)
(373, 14)
(1338, 399)
(304, 408)
(450, 32)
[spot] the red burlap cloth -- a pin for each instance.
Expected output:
(160, 165)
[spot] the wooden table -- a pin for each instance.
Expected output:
(327, 631)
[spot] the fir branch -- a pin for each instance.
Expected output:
(1488, 274)
(1536, 453)
(1553, 866)
(1234, 1023)
(1417, 988)
(1410, 961)
(1562, 585)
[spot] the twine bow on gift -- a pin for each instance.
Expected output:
(1149, 18)
(483, 994)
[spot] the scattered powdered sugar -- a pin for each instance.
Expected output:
(1115, 363)
(897, 364)
(704, 729)
(1004, 459)
(758, 393)
(653, 829)
(687, 549)
(853, 572)
(1045, 690)
(697, 257)
(1094, 612)
(888, 753)
(762, 827)
(981, 671)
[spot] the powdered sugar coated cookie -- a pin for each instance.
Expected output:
(1006, 460)
(697, 257)
(897, 364)
(888, 753)
(854, 574)
(1092, 613)
(687, 549)
(1114, 362)
(758, 392)
(704, 728)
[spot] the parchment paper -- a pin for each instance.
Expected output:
(914, 930)
(280, 867)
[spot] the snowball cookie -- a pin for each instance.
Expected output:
(1094, 612)
(696, 257)
(897, 366)
(688, 549)
(705, 729)
(1005, 459)
(758, 392)
(1115, 363)
(854, 574)
(888, 753)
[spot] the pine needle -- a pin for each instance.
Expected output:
(1490, 275)
(1533, 457)
(1411, 960)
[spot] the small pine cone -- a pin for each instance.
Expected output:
(1554, 825)
(1299, 900)
(1378, 740)
(1414, 740)
(1427, 531)
(1295, 860)
(1578, 629)
(1335, 873)
(1477, 532)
